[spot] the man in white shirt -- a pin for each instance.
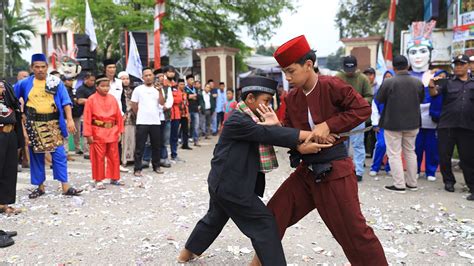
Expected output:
(146, 101)
(116, 90)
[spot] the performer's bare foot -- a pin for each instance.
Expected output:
(255, 261)
(185, 256)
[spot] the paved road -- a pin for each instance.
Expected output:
(148, 221)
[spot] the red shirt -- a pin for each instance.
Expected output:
(106, 109)
(177, 103)
(332, 101)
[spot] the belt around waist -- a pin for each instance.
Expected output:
(33, 115)
(103, 124)
(336, 152)
(7, 128)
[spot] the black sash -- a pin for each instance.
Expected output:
(319, 163)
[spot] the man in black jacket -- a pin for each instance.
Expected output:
(401, 120)
(237, 174)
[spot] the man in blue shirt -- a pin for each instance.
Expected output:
(220, 102)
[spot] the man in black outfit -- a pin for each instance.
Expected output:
(82, 93)
(456, 124)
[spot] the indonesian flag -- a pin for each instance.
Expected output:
(49, 35)
(159, 13)
(389, 33)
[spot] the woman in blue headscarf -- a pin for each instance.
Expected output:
(380, 148)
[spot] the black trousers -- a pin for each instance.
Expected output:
(464, 140)
(184, 123)
(220, 119)
(255, 221)
(141, 134)
(8, 167)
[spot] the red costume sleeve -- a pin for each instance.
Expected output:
(355, 109)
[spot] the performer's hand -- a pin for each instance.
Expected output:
(268, 115)
(90, 140)
(311, 147)
(319, 134)
(71, 128)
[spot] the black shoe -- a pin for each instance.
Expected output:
(449, 187)
(79, 153)
(411, 188)
(359, 178)
(8, 233)
(6, 241)
(158, 171)
(87, 157)
(394, 189)
(145, 164)
(165, 165)
(186, 148)
(470, 197)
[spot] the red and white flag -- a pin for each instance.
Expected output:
(159, 13)
(49, 35)
(389, 33)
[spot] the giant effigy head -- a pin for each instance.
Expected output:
(68, 66)
(420, 46)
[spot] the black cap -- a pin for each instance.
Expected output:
(400, 62)
(259, 84)
(461, 58)
(369, 70)
(158, 71)
(109, 62)
(349, 63)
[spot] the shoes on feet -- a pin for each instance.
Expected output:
(359, 178)
(394, 189)
(449, 187)
(431, 178)
(470, 197)
(412, 188)
(373, 173)
(124, 170)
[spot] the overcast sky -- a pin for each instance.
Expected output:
(314, 19)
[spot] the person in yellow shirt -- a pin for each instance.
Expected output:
(48, 119)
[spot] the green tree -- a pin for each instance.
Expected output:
(209, 22)
(334, 60)
(362, 18)
(18, 31)
(268, 51)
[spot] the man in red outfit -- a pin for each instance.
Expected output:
(103, 126)
(325, 181)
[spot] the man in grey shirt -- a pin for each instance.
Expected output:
(401, 120)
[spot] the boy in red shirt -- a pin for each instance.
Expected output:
(103, 126)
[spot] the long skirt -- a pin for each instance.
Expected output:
(128, 144)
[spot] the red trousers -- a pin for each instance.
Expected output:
(99, 152)
(338, 205)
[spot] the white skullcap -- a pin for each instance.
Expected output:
(122, 74)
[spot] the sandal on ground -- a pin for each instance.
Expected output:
(9, 210)
(36, 193)
(8, 233)
(138, 173)
(99, 186)
(6, 241)
(72, 192)
(117, 182)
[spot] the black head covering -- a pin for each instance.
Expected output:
(109, 62)
(259, 84)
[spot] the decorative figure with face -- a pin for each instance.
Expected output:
(68, 65)
(419, 55)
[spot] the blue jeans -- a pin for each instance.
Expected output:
(195, 126)
(379, 153)
(427, 143)
(174, 137)
(165, 133)
(357, 144)
(214, 123)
